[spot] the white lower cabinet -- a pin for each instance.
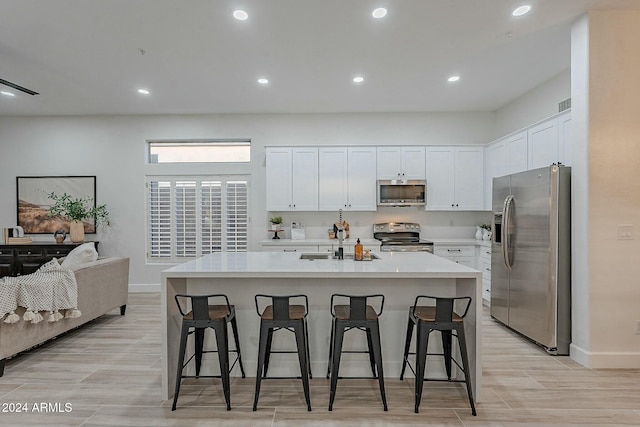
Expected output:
(461, 254)
(484, 265)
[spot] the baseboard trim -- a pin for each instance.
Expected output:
(605, 359)
(145, 287)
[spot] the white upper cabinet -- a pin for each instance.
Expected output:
(543, 144)
(564, 138)
(517, 148)
(347, 178)
(454, 178)
(401, 162)
(292, 178)
(538, 146)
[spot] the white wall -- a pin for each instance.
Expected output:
(613, 167)
(113, 149)
(534, 106)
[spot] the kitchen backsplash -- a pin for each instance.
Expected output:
(433, 224)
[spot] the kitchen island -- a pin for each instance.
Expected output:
(241, 275)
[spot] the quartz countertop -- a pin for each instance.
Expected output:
(326, 241)
(289, 264)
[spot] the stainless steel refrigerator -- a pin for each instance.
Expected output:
(531, 255)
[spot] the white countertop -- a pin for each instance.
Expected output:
(289, 264)
(347, 242)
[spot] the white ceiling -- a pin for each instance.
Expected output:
(83, 56)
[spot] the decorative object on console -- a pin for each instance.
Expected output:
(33, 202)
(478, 232)
(77, 210)
(60, 235)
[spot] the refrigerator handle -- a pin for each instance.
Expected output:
(506, 225)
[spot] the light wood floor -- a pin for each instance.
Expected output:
(109, 371)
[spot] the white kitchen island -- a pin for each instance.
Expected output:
(241, 275)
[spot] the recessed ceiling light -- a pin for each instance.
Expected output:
(380, 12)
(358, 79)
(7, 93)
(453, 79)
(240, 15)
(521, 10)
(263, 81)
(143, 91)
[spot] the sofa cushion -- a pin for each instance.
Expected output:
(84, 253)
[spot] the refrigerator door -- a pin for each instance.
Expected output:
(499, 271)
(533, 294)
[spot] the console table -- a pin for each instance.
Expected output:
(17, 259)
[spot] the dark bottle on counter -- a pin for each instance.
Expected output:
(357, 252)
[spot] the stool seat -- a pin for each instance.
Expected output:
(296, 312)
(216, 312)
(343, 312)
(428, 314)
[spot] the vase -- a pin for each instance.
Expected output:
(486, 234)
(76, 231)
(478, 233)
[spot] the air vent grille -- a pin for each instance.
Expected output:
(564, 105)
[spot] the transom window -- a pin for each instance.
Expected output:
(189, 217)
(200, 151)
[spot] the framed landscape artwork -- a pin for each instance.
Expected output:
(33, 202)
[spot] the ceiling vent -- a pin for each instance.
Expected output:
(18, 87)
(564, 105)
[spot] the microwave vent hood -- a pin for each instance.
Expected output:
(401, 193)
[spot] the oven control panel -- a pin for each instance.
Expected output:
(396, 227)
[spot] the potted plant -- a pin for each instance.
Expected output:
(486, 231)
(77, 209)
(275, 222)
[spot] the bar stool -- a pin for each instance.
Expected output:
(281, 314)
(357, 315)
(205, 315)
(443, 318)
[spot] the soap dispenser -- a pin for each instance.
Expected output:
(357, 252)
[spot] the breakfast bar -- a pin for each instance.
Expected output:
(398, 276)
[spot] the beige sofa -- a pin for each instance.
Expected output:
(103, 285)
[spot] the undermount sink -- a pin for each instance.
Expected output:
(322, 255)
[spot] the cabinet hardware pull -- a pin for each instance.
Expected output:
(453, 250)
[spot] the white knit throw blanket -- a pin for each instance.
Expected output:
(50, 289)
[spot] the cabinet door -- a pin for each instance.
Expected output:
(304, 182)
(279, 175)
(468, 178)
(564, 138)
(332, 178)
(413, 163)
(361, 179)
(440, 178)
(389, 163)
(543, 144)
(496, 164)
(518, 152)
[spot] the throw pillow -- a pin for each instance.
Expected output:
(84, 253)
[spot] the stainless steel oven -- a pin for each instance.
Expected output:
(401, 237)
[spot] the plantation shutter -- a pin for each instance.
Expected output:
(194, 216)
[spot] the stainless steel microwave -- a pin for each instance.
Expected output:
(402, 192)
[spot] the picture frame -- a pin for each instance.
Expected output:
(33, 203)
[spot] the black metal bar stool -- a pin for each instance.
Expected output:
(358, 314)
(443, 318)
(281, 314)
(203, 315)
